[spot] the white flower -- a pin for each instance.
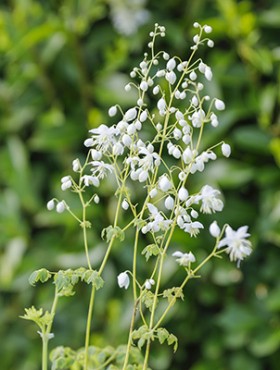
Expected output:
(226, 150)
(144, 86)
(161, 106)
(148, 283)
(197, 118)
(183, 194)
(164, 183)
(157, 221)
(123, 280)
(165, 56)
(219, 104)
(156, 90)
(193, 76)
(66, 182)
(170, 77)
(193, 228)
(102, 136)
(207, 29)
(50, 205)
(169, 203)
(112, 111)
(101, 169)
(209, 201)
(184, 259)
(125, 204)
(96, 155)
(130, 114)
(143, 116)
(90, 180)
(214, 229)
(60, 207)
(76, 165)
(96, 199)
(208, 73)
(171, 64)
(237, 245)
(153, 193)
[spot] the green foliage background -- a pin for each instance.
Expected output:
(62, 64)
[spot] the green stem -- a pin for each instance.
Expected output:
(88, 327)
(129, 342)
(188, 277)
(46, 333)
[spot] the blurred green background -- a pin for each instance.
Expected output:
(62, 64)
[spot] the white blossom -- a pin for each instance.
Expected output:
(209, 201)
(60, 207)
(96, 199)
(125, 204)
(184, 259)
(238, 246)
(123, 280)
(170, 77)
(207, 29)
(214, 229)
(183, 194)
(171, 64)
(148, 283)
(226, 150)
(153, 193)
(90, 180)
(164, 183)
(144, 86)
(143, 116)
(66, 182)
(50, 204)
(112, 111)
(219, 104)
(130, 114)
(169, 203)
(76, 165)
(193, 228)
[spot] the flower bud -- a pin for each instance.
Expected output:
(219, 104)
(164, 183)
(226, 150)
(169, 203)
(60, 207)
(50, 205)
(123, 280)
(183, 194)
(148, 283)
(125, 205)
(214, 229)
(112, 111)
(130, 114)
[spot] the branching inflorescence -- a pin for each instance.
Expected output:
(155, 145)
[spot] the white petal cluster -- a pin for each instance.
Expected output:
(209, 199)
(184, 259)
(236, 242)
(156, 221)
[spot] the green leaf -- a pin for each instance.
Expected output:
(111, 232)
(148, 299)
(42, 275)
(151, 250)
(92, 277)
(162, 335)
(172, 293)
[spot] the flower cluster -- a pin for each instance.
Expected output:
(144, 140)
(150, 151)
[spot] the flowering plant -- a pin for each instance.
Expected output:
(158, 144)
